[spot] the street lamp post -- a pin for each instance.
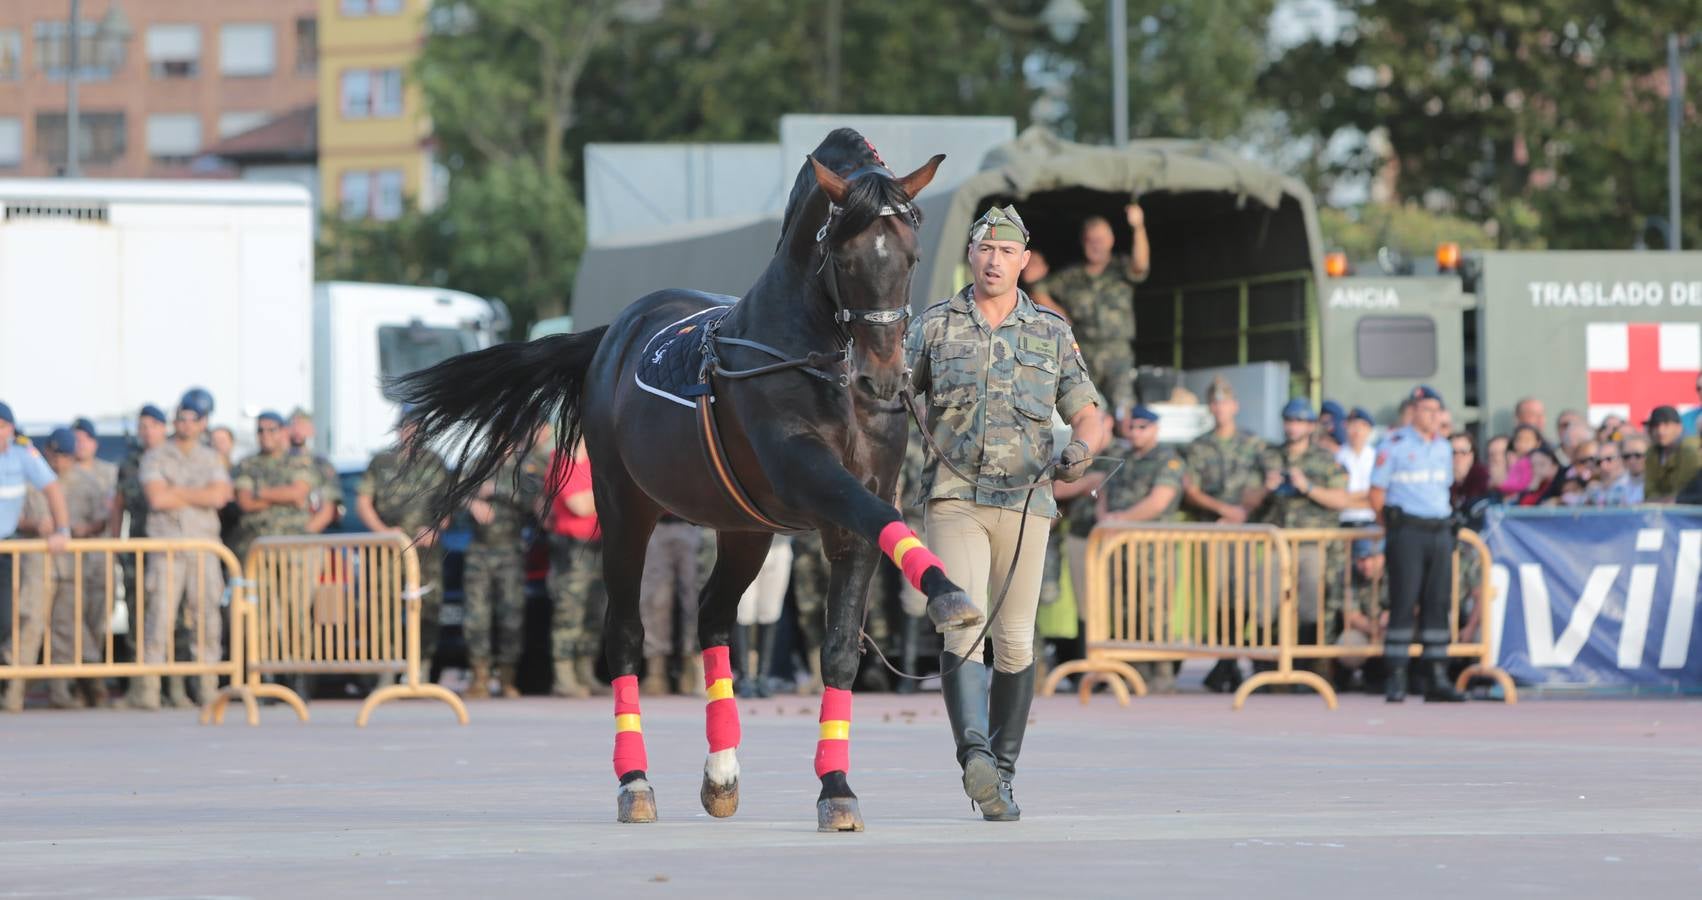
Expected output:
(1675, 117)
(1119, 72)
(113, 27)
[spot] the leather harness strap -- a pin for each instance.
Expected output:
(716, 454)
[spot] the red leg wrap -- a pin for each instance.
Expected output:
(721, 715)
(833, 749)
(629, 735)
(901, 545)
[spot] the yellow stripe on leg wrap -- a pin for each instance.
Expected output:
(628, 722)
(836, 730)
(721, 689)
(903, 547)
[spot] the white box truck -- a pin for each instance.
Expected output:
(114, 294)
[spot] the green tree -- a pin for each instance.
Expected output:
(1545, 119)
(1193, 69)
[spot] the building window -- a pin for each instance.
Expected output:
(357, 8)
(232, 123)
(174, 51)
(248, 49)
(11, 54)
(307, 45)
(101, 137)
(371, 194)
(174, 138)
(371, 93)
(11, 142)
(97, 58)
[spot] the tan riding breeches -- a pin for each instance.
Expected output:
(976, 544)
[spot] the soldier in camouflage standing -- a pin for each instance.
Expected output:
(273, 487)
(1304, 487)
(1222, 469)
(995, 368)
(576, 579)
(494, 584)
(809, 595)
(1097, 298)
(394, 496)
(326, 500)
(88, 498)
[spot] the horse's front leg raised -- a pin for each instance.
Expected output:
(815, 480)
(853, 564)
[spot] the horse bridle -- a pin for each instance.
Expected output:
(815, 363)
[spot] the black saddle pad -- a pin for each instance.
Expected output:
(673, 358)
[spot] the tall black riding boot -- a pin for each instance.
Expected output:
(1439, 688)
(764, 659)
(744, 671)
(911, 646)
(1008, 704)
(1395, 679)
(964, 686)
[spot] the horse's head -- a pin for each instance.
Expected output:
(867, 251)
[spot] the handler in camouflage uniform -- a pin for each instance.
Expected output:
(1097, 298)
(494, 584)
(1304, 487)
(809, 595)
(273, 487)
(394, 495)
(994, 368)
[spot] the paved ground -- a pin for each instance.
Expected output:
(1176, 795)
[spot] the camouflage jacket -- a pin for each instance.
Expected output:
(1288, 508)
(196, 467)
(1101, 307)
(327, 486)
(402, 496)
(991, 394)
(1223, 468)
(516, 490)
(259, 472)
(88, 498)
(1159, 467)
(912, 500)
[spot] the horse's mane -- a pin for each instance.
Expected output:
(851, 156)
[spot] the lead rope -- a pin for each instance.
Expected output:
(1016, 557)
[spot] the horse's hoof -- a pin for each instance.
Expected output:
(835, 814)
(952, 611)
(719, 800)
(635, 803)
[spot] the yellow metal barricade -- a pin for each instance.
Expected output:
(1332, 583)
(346, 604)
(158, 583)
(1161, 592)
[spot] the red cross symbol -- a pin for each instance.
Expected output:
(1644, 380)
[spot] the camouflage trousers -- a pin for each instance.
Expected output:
(187, 594)
(669, 587)
(578, 597)
(31, 601)
(495, 589)
(1112, 370)
(809, 588)
(65, 611)
(431, 604)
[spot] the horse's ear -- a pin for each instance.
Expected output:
(917, 180)
(831, 184)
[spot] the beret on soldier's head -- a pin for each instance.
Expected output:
(6, 414)
(150, 411)
(1425, 392)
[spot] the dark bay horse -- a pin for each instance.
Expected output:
(807, 370)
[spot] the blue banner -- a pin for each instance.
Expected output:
(1598, 598)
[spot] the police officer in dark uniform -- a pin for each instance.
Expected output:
(1409, 491)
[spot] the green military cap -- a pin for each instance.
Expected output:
(999, 225)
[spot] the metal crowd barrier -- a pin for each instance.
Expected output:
(95, 570)
(1165, 592)
(1469, 624)
(343, 604)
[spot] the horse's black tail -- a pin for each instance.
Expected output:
(484, 406)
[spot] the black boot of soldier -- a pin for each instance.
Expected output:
(744, 676)
(908, 651)
(1395, 682)
(1008, 703)
(1439, 688)
(965, 687)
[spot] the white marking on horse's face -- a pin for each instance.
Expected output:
(722, 766)
(880, 246)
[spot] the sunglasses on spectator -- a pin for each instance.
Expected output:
(1585, 460)
(1462, 453)
(1607, 459)
(268, 429)
(186, 417)
(1632, 456)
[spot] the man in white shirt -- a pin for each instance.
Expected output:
(1358, 457)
